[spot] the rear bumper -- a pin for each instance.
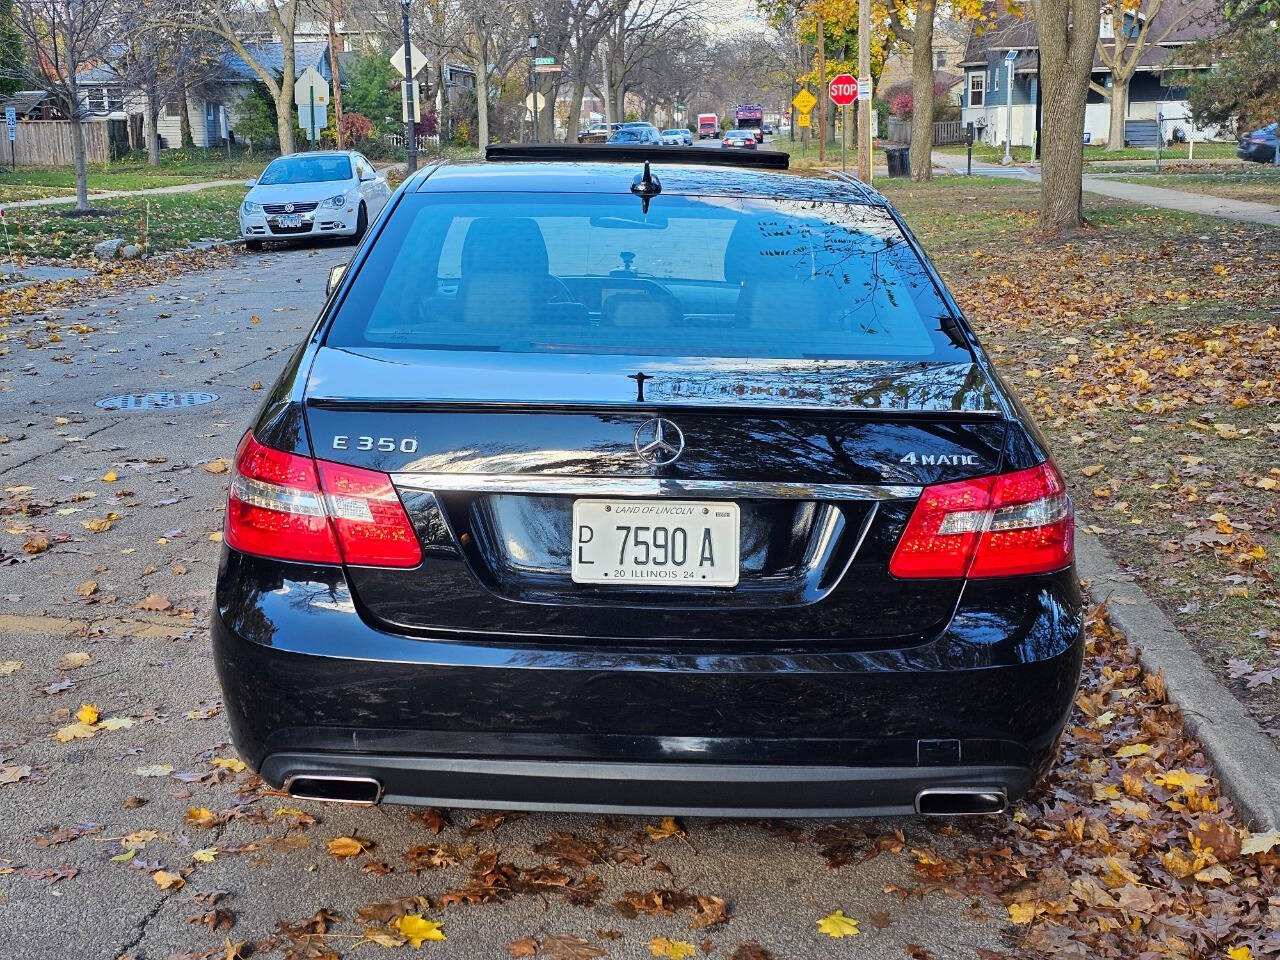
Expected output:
(715, 728)
(647, 788)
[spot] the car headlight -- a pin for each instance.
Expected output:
(336, 202)
(251, 207)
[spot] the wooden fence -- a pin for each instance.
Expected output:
(47, 143)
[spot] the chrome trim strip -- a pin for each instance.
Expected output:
(650, 487)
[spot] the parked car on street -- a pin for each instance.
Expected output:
(636, 133)
(739, 139)
(646, 480)
(596, 133)
(330, 193)
(1259, 146)
(678, 136)
(767, 129)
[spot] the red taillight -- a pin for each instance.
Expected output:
(373, 528)
(1001, 526)
(280, 507)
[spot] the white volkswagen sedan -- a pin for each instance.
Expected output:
(313, 194)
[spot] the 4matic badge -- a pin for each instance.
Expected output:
(942, 459)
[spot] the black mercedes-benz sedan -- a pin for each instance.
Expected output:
(646, 480)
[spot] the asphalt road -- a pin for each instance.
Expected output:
(226, 331)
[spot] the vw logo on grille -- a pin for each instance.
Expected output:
(659, 442)
(288, 208)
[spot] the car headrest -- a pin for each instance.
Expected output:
(507, 244)
(772, 247)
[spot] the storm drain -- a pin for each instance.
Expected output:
(156, 401)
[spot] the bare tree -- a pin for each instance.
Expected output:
(62, 38)
(1068, 34)
(1153, 22)
(583, 23)
(240, 23)
(634, 31)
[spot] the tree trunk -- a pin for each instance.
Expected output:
(1119, 107)
(606, 85)
(482, 97)
(184, 120)
(1068, 31)
(337, 84)
(922, 92)
(77, 148)
(285, 120)
(575, 111)
(151, 131)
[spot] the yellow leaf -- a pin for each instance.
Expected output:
(255, 319)
(138, 839)
(70, 661)
(200, 817)
(232, 764)
(110, 477)
(1260, 842)
(668, 828)
(1133, 750)
(9, 666)
(1022, 913)
(116, 723)
(1090, 471)
(74, 731)
(1240, 953)
(672, 949)
(205, 856)
(416, 929)
(217, 466)
(1183, 780)
(166, 880)
(87, 714)
(343, 847)
(1216, 872)
(838, 925)
(155, 770)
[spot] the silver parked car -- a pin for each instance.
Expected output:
(677, 137)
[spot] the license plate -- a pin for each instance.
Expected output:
(661, 543)
(290, 220)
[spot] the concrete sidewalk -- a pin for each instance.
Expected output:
(108, 194)
(1247, 211)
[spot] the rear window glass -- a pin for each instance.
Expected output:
(692, 276)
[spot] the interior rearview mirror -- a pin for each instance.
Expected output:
(335, 277)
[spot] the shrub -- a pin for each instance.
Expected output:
(356, 126)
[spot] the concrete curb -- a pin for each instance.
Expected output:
(1245, 759)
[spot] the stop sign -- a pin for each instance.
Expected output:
(843, 90)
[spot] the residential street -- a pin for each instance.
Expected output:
(224, 331)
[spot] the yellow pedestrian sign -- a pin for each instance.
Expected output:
(804, 101)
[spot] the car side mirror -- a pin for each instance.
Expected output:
(335, 277)
(250, 184)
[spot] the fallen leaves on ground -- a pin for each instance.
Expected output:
(838, 925)
(417, 929)
(344, 847)
(672, 949)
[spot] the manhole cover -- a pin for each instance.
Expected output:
(156, 401)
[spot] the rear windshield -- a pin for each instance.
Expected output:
(693, 277)
(306, 170)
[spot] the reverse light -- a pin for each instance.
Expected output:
(1006, 525)
(281, 506)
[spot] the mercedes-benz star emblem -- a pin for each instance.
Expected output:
(659, 442)
(288, 208)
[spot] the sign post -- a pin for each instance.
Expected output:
(311, 93)
(843, 91)
(1009, 57)
(408, 60)
(803, 101)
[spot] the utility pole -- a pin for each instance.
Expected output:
(864, 99)
(337, 83)
(410, 91)
(822, 86)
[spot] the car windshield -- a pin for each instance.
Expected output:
(628, 135)
(694, 277)
(304, 169)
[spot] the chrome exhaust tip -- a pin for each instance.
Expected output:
(334, 788)
(961, 801)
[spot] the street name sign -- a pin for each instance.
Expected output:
(864, 88)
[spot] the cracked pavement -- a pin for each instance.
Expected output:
(153, 667)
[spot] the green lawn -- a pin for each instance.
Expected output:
(1250, 181)
(175, 167)
(175, 221)
(1095, 153)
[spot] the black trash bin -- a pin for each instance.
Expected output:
(899, 159)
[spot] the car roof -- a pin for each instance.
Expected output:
(616, 177)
